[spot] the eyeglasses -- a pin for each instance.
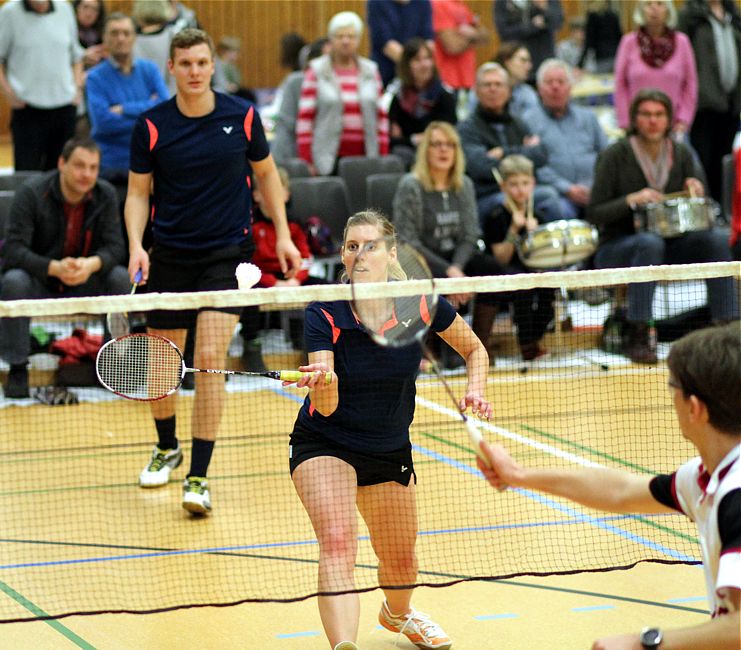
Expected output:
(657, 115)
(441, 144)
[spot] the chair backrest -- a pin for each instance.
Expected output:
(11, 182)
(323, 196)
(355, 169)
(380, 190)
(296, 168)
(729, 174)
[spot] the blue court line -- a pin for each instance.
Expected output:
(494, 617)
(297, 635)
(592, 608)
(690, 599)
(560, 507)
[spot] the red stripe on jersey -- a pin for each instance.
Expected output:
(248, 123)
(335, 330)
(424, 310)
(153, 134)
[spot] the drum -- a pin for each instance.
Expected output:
(558, 244)
(674, 217)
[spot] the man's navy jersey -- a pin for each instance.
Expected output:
(376, 384)
(201, 167)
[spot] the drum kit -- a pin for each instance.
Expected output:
(676, 215)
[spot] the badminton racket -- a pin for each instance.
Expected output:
(399, 321)
(147, 367)
(118, 322)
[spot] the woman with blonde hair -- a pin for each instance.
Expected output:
(655, 55)
(435, 212)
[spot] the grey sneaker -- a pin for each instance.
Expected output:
(157, 471)
(196, 497)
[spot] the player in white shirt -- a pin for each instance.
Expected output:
(705, 382)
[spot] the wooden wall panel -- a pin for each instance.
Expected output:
(260, 23)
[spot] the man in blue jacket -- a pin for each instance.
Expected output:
(64, 238)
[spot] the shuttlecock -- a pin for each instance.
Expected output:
(248, 275)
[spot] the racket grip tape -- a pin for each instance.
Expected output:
(475, 435)
(295, 375)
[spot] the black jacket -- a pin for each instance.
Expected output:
(36, 227)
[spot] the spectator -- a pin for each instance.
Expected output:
(118, 90)
(457, 33)
(64, 239)
(283, 145)
(532, 22)
(735, 239)
(490, 134)
(227, 69)
(515, 59)
(571, 135)
(503, 231)
(435, 212)
(418, 98)
(569, 49)
(154, 34)
(602, 37)
(714, 29)
(340, 112)
(656, 56)
(41, 78)
(636, 171)
(391, 23)
(263, 232)
(90, 15)
(291, 45)
(180, 16)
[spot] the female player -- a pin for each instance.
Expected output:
(350, 443)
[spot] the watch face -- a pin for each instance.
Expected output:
(651, 638)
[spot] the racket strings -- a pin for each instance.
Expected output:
(140, 367)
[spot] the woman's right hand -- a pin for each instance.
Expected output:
(139, 261)
(315, 377)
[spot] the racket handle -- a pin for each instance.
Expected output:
(295, 375)
(475, 435)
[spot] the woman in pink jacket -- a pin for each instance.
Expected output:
(656, 56)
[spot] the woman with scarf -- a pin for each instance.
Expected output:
(418, 98)
(640, 169)
(656, 56)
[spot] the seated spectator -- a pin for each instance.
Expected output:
(458, 32)
(285, 106)
(569, 49)
(118, 90)
(418, 98)
(340, 112)
(635, 171)
(63, 239)
(515, 59)
(154, 34)
(601, 38)
(264, 257)
(391, 24)
(435, 212)
(504, 230)
(571, 135)
(41, 78)
(490, 134)
(227, 69)
(654, 55)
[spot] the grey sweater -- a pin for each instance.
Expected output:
(442, 226)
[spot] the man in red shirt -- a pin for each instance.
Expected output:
(64, 238)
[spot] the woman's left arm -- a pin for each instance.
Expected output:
(684, 111)
(462, 339)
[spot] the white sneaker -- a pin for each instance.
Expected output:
(416, 626)
(196, 497)
(157, 472)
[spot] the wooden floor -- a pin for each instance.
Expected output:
(524, 612)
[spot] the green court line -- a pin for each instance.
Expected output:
(37, 611)
(648, 522)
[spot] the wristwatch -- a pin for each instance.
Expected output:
(651, 637)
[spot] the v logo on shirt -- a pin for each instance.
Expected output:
(227, 129)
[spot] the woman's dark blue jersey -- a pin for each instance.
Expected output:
(201, 167)
(376, 384)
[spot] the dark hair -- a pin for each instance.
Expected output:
(411, 49)
(707, 364)
(83, 143)
(116, 16)
(290, 47)
(650, 95)
(506, 51)
(188, 38)
(99, 21)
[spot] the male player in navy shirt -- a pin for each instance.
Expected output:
(195, 152)
(350, 444)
